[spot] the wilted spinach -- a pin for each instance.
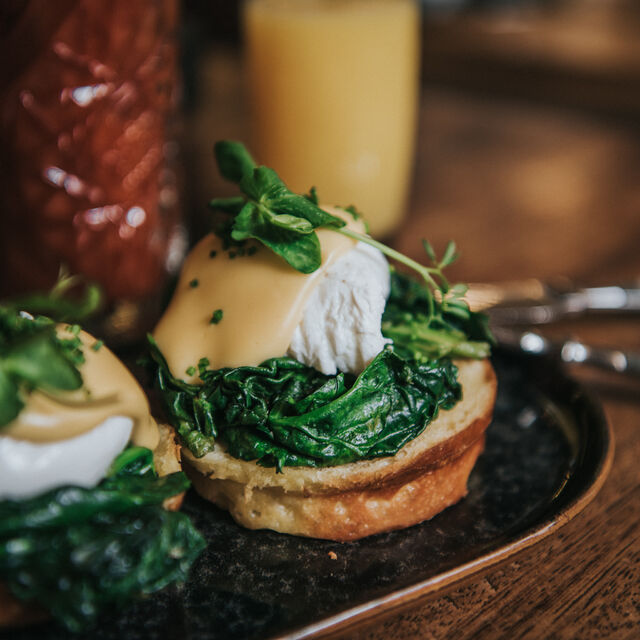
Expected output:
(80, 552)
(284, 413)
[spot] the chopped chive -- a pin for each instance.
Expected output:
(203, 363)
(191, 371)
(213, 254)
(97, 345)
(74, 329)
(194, 283)
(216, 316)
(251, 250)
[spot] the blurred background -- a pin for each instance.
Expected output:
(528, 143)
(526, 149)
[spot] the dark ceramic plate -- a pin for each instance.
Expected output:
(548, 451)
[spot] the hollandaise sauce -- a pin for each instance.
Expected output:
(240, 309)
(108, 389)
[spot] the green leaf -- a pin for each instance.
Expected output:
(228, 205)
(120, 493)
(272, 214)
(301, 251)
(429, 250)
(234, 161)
(452, 330)
(10, 402)
(133, 460)
(299, 206)
(81, 571)
(459, 290)
(82, 553)
(246, 222)
(65, 302)
(32, 356)
(312, 196)
(39, 361)
(292, 223)
(450, 255)
(285, 413)
(262, 184)
(95, 568)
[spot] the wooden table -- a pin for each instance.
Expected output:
(525, 191)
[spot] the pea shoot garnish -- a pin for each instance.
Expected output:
(286, 223)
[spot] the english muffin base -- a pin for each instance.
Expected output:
(345, 516)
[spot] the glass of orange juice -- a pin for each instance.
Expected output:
(334, 92)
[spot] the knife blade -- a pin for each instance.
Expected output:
(536, 302)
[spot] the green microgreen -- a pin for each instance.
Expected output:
(71, 299)
(286, 223)
(216, 316)
(32, 356)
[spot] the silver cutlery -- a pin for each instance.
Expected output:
(512, 306)
(536, 302)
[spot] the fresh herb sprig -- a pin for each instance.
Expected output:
(71, 299)
(33, 356)
(280, 219)
(286, 223)
(448, 332)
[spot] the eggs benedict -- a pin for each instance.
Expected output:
(84, 474)
(315, 391)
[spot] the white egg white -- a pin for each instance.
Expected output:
(340, 328)
(28, 469)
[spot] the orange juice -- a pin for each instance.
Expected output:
(334, 92)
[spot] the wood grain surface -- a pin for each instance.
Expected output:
(525, 191)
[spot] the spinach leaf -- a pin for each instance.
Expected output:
(87, 568)
(283, 413)
(81, 552)
(69, 505)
